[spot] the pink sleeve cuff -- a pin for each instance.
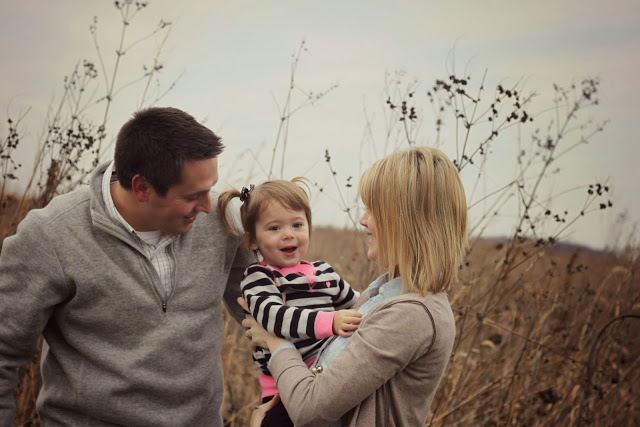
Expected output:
(324, 324)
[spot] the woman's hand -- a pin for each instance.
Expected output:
(257, 334)
(260, 411)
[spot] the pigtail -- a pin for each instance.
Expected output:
(223, 202)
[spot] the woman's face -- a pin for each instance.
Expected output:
(367, 221)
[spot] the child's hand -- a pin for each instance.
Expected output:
(345, 321)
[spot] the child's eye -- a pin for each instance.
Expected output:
(274, 228)
(298, 225)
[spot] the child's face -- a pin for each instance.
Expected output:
(282, 235)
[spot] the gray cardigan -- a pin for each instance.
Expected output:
(387, 374)
(112, 355)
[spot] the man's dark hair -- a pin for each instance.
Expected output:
(156, 142)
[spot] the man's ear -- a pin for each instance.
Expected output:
(140, 187)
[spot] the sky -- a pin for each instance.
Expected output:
(231, 63)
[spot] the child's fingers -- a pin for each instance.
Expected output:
(349, 327)
(344, 329)
(351, 313)
(345, 321)
(348, 321)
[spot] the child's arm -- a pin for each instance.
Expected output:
(266, 305)
(343, 321)
(346, 296)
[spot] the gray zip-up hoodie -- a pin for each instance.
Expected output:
(113, 355)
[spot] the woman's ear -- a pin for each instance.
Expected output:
(140, 187)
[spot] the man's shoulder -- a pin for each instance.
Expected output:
(208, 227)
(64, 215)
(64, 207)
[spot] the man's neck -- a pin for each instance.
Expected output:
(128, 206)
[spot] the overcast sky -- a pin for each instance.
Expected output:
(233, 61)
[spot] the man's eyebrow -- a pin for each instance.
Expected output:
(197, 193)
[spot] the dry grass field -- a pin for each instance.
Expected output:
(547, 338)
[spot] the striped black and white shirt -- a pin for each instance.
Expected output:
(295, 304)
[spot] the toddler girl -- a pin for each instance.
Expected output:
(288, 296)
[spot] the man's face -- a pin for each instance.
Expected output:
(176, 211)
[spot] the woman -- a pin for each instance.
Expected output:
(387, 372)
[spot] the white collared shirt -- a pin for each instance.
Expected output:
(158, 253)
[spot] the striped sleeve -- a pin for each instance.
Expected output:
(267, 306)
(346, 296)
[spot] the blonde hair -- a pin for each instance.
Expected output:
(289, 193)
(419, 206)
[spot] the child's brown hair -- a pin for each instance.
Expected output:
(289, 193)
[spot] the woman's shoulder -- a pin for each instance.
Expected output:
(433, 307)
(435, 300)
(435, 303)
(434, 315)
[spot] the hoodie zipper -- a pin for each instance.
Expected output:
(103, 222)
(167, 295)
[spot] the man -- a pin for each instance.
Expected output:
(124, 279)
